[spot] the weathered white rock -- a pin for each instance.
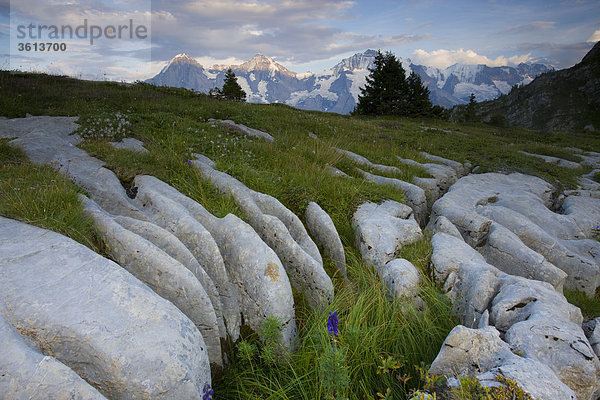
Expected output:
(282, 231)
(520, 299)
(563, 347)
(429, 186)
(537, 319)
(520, 203)
(554, 160)
(251, 132)
(401, 278)
(585, 212)
(504, 250)
(169, 243)
(45, 146)
(481, 352)
(587, 181)
(333, 171)
(253, 267)
(444, 175)
(162, 273)
(443, 224)
(460, 169)
(29, 374)
(94, 317)
(131, 144)
(173, 217)
(322, 229)
(582, 272)
(62, 127)
(592, 332)
(415, 196)
(381, 230)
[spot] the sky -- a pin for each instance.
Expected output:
(302, 35)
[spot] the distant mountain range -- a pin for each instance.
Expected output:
(337, 89)
(568, 99)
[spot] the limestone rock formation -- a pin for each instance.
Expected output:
(282, 231)
(482, 352)
(94, 317)
(520, 203)
(532, 317)
(253, 267)
(29, 374)
(162, 273)
(131, 144)
(323, 230)
(243, 129)
(381, 230)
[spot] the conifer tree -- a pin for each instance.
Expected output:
(389, 92)
(231, 89)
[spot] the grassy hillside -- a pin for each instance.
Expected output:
(173, 124)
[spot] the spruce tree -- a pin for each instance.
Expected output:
(231, 89)
(389, 92)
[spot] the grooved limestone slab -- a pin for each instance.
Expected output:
(380, 231)
(323, 230)
(244, 129)
(554, 160)
(162, 273)
(98, 319)
(504, 250)
(282, 231)
(537, 319)
(520, 203)
(169, 243)
(415, 196)
(444, 175)
(255, 269)
(46, 140)
(460, 169)
(481, 352)
(173, 217)
(27, 374)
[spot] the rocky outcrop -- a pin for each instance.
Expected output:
(323, 230)
(531, 316)
(130, 144)
(46, 140)
(381, 230)
(29, 374)
(244, 130)
(163, 274)
(94, 317)
(482, 352)
(519, 204)
(252, 267)
(415, 196)
(282, 231)
(560, 162)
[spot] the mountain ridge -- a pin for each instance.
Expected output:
(337, 89)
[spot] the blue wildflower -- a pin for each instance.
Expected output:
(208, 392)
(332, 323)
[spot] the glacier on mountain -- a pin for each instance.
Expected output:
(337, 89)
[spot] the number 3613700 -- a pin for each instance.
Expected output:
(42, 46)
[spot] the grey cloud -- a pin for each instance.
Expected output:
(559, 55)
(288, 31)
(529, 27)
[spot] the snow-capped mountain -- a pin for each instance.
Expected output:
(337, 89)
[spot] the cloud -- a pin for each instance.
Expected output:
(560, 55)
(444, 58)
(595, 37)
(530, 27)
(281, 29)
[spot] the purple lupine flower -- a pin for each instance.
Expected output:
(332, 323)
(208, 392)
